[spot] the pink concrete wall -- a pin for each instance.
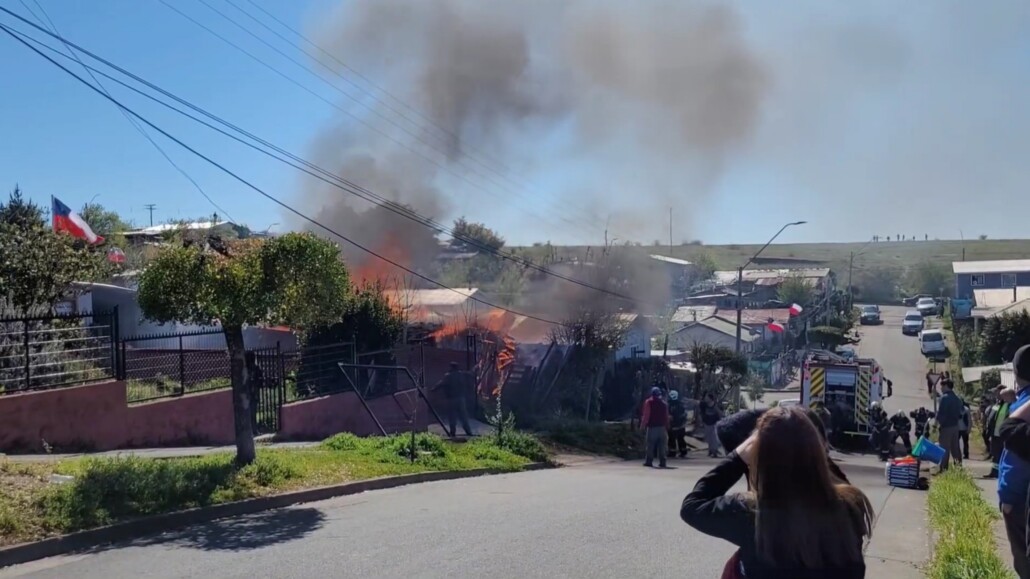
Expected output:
(323, 417)
(97, 417)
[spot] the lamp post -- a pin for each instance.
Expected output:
(740, 274)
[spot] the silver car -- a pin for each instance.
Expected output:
(927, 306)
(912, 324)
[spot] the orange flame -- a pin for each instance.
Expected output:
(375, 269)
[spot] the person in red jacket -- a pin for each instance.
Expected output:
(655, 423)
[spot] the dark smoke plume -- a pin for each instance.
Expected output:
(638, 106)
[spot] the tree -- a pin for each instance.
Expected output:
(828, 336)
(368, 319)
(990, 380)
(795, 290)
(297, 280)
(1003, 335)
(470, 236)
(20, 212)
(704, 266)
(929, 277)
(38, 265)
(715, 367)
(876, 285)
(754, 388)
(103, 222)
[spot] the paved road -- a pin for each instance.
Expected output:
(601, 519)
(900, 358)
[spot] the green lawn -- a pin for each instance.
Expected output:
(963, 524)
(106, 490)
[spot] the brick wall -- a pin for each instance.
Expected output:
(323, 417)
(97, 417)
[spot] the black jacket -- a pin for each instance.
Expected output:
(901, 423)
(713, 512)
(991, 422)
(677, 414)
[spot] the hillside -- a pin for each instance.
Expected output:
(899, 255)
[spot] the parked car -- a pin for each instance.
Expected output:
(788, 403)
(870, 315)
(931, 342)
(927, 306)
(912, 300)
(912, 324)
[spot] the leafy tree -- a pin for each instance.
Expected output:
(930, 277)
(795, 290)
(20, 212)
(38, 265)
(1003, 335)
(465, 231)
(368, 318)
(297, 280)
(704, 266)
(103, 222)
(754, 387)
(990, 380)
(717, 367)
(510, 284)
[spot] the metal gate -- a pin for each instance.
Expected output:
(269, 393)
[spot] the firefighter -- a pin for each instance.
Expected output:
(922, 417)
(881, 430)
(901, 426)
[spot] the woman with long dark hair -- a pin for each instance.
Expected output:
(798, 521)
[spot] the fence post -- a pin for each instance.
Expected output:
(122, 373)
(182, 368)
(280, 386)
(28, 358)
(114, 342)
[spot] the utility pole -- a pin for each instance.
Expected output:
(670, 232)
(851, 296)
(740, 306)
(150, 207)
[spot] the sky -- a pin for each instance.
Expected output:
(861, 118)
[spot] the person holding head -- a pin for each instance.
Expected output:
(797, 521)
(1014, 466)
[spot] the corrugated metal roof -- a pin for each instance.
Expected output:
(428, 298)
(158, 229)
(672, 260)
(754, 275)
(720, 325)
(975, 373)
(995, 266)
(687, 314)
(756, 317)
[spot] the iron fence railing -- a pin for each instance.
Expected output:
(157, 366)
(42, 352)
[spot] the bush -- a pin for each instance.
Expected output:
(616, 439)
(425, 445)
(521, 444)
(345, 441)
(963, 521)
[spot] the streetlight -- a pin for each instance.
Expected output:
(851, 263)
(740, 274)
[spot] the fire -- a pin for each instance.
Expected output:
(495, 321)
(374, 269)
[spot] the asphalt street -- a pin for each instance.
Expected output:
(600, 519)
(595, 519)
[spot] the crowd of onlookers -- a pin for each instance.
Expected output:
(800, 517)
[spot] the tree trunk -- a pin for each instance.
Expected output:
(245, 453)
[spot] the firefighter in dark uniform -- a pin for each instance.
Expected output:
(880, 425)
(901, 427)
(922, 417)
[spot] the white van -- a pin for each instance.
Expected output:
(932, 342)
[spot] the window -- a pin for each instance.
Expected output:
(1008, 280)
(978, 280)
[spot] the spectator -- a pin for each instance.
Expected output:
(825, 418)
(930, 382)
(456, 385)
(996, 416)
(949, 413)
(797, 521)
(735, 428)
(677, 426)
(965, 424)
(710, 415)
(922, 417)
(1014, 465)
(654, 422)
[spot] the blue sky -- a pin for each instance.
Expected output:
(874, 121)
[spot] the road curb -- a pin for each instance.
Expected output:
(84, 540)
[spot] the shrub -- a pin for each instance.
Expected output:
(344, 441)
(425, 445)
(521, 444)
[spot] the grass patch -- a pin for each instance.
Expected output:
(107, 490)
(607, 438)
(963, 521)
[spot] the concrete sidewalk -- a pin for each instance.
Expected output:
(175, 452)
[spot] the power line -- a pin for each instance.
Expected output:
(418, 138)
(257, 189)
(131, 120)
(324, 176)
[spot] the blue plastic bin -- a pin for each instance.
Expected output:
(926, 450)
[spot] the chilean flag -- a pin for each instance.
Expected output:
(776, 327)
(795, 310)
(70, 222)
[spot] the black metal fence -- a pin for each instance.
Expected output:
(42, 352)
(159, 366)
